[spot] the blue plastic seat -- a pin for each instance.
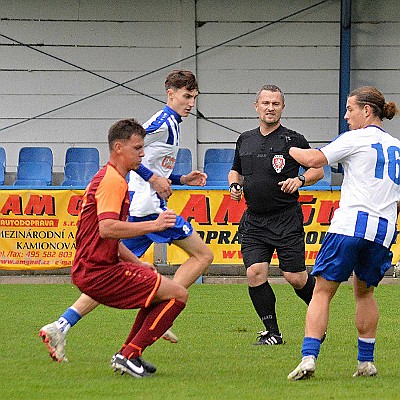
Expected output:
(2, 165)
(219, 156)
(82, 154)
(326, 180)
(29, 154)
(217, 173)
(79, 173)
(183, 164)
(32, 173)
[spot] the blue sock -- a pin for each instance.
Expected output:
(68, 319)
(366, 349)
(311, 347)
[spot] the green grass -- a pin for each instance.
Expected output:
(213, 360)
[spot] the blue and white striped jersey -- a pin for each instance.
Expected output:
(161, 148)
(371, 185)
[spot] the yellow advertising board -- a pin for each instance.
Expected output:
(38, 227)
(216, 217)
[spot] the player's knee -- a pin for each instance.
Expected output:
(296, 279)
(207, 255)
(256, 275)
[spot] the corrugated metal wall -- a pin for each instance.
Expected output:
(132, 41)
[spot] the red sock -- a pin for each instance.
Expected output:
(159, 318)
(141, 316)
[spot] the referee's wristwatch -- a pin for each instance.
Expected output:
(302, 179)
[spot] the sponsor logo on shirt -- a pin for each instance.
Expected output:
(168, 162)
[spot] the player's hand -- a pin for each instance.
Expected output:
(165, 220)
(162, 186)
(235, 191)
(290, 185)
(194, 178)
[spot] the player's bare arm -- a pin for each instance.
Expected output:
(162, 186)
(235, 181)
(312, 175)
(115, 229)
(194, 178)
(308, 157)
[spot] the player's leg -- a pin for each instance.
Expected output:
(264, 302)
(318, 310)
(54, 334)
(138, 245)
(200, 258)
(366, 318)
(257, 253)
(316, 324)
(291, 250)
(303, 284)
(150, 324)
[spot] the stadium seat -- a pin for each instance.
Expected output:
(219, 156)
(33, 173)
(326, 180)
(183, 164)
(79, 173)
(82, 154)
(2, 165)
(217, 173)
(42, 154)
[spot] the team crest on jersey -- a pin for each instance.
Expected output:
(278, 162)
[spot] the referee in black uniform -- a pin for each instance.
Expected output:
(273, 220)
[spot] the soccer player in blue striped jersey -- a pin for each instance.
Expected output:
(161, 148)
(363, 227)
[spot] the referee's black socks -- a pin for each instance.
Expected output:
(264, 300)
(306, 292)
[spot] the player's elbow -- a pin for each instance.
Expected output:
(106, 230)
(105, 234)
(316, 159)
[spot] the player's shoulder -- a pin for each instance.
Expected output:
(159, 116)
(290, 132)
(296, 138)
(111, 177)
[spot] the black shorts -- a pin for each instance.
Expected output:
(261, 235)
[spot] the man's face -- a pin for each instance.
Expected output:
(269, 107)
(355, 115)
(133, 152)
(182, 100)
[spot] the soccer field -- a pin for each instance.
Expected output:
(213, 360)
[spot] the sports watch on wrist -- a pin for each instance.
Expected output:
(302, 180)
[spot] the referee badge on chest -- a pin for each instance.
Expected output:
(278, 162)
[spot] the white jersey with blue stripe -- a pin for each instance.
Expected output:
(371, 185)
(161, 148)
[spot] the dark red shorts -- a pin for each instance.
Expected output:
(124, 285)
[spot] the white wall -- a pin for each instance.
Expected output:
(127, 40)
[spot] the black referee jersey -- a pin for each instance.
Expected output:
(264, 161)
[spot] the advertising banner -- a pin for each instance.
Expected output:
(38, 227)
(216, 218)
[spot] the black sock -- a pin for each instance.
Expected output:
(306, 292)
(263, 299)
